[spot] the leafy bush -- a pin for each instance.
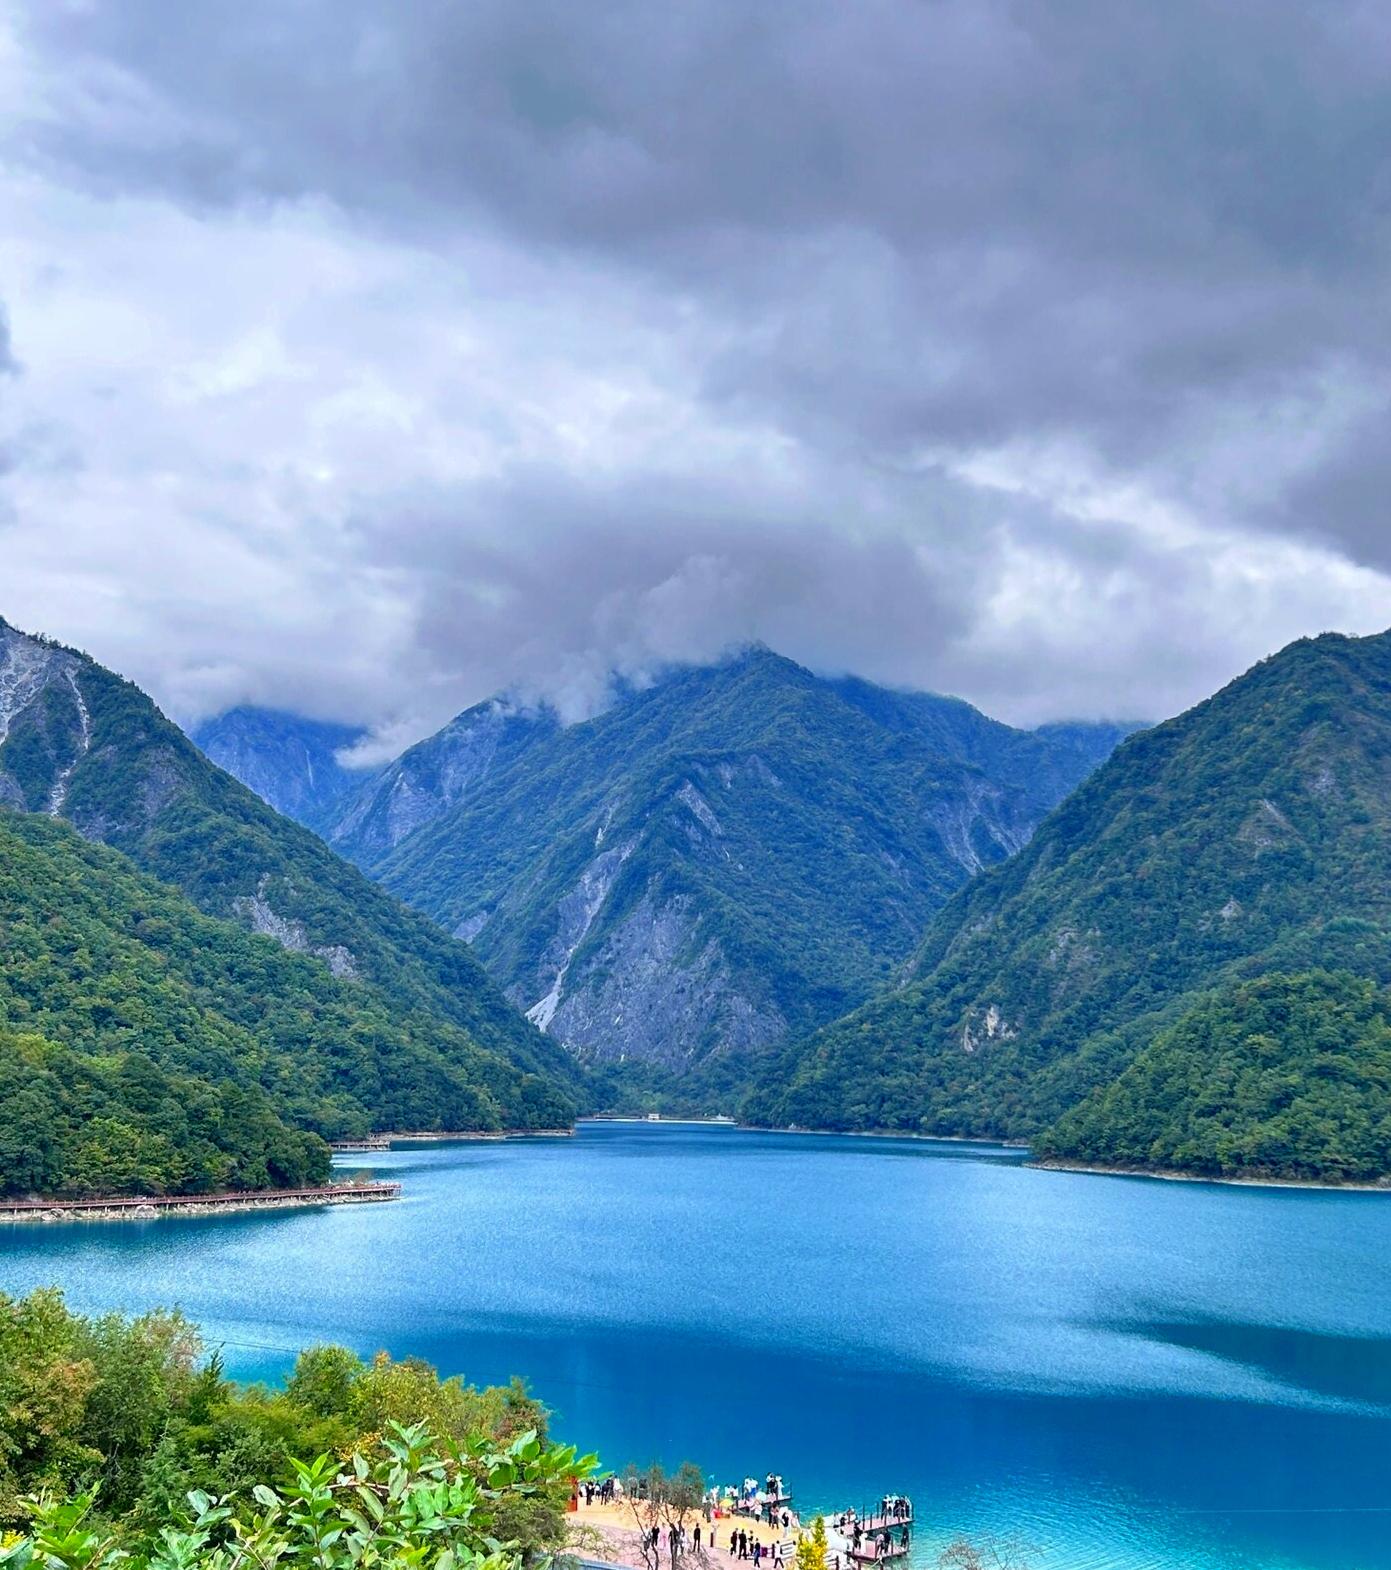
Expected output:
(409, 1500)
(108, 1425)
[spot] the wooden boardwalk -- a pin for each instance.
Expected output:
(876, 1537)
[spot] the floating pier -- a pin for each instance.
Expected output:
(441, 1135)
(368, 1142)
(876, 1536)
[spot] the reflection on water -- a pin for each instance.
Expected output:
(1341, 1367)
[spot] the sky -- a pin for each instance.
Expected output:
(365, 359)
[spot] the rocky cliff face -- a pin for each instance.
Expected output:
(432, 777)
(737, 852)
(293, 764)
(656, 990)
(45, 724)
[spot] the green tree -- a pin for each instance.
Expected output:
(661, 1503)
(325, 1379)
(811, 1547)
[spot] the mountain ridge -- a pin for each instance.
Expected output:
(1250, 835)
(716, 858)
(78, 742)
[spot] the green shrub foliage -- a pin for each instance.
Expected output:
(121, 1442)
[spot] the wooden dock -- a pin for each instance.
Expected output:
(878, 1551)
(873, 1537)
(369, 1142)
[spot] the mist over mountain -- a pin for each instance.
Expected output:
(733, 853)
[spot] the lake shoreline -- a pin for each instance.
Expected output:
(154, 1207)
(1082, 1168)
(1172, 1175)
(825, 1133)
(890, 1133)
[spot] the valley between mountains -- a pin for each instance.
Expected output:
(740, 888)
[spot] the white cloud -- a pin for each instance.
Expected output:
(462, 362)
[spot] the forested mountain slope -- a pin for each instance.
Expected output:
(147, 1047)
(736, 852)
(1283, 1075)
(80, 743)
(1250, 835)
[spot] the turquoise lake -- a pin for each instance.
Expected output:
(1121, 1372)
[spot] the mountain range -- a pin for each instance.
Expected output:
(724, 858)
(812, 901)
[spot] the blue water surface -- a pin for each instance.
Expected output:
(1120, 1372)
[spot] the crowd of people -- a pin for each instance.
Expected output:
(676, 1542)
(716, 1526)
(767, 1501)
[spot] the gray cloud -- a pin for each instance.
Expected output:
(1035, 352)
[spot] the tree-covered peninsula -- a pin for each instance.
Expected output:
(148, 1048)
(1284, 1076)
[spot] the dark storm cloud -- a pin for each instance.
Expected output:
(964, 339)
(1347, 496)
(551, 585)
(946, 221)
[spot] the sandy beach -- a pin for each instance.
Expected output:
(609, 1532)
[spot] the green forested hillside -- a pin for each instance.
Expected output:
(80, 743)
(733, 853)
(145, 1046)
(77, 1125)
(1286, 1076)
(1249, 835)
